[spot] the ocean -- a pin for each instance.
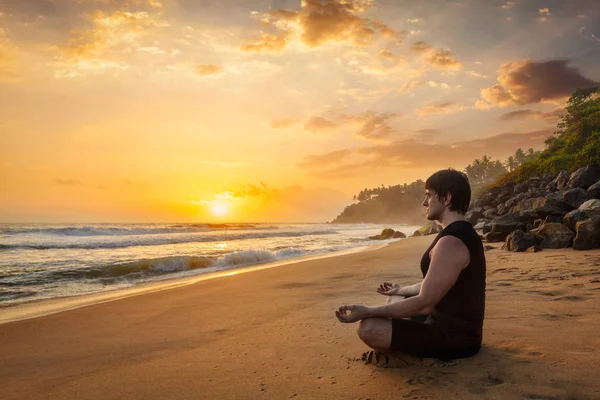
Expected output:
(42, 261)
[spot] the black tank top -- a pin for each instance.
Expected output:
(464, 304)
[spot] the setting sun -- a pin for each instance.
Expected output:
(219, 209)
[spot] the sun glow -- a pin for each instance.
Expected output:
(219, 208)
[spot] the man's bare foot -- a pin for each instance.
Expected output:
(400, 360)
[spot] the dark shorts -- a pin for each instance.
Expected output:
(424, 337)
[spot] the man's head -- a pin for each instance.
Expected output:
(447, 189)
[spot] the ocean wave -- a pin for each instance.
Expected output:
(122, 231)
(160, 240)
(168, 265)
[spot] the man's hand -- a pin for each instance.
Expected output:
(388, 289)
(352, 313)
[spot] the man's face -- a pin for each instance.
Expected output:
(434, 207)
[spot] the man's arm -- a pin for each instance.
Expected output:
(448, 258)
(409, 291)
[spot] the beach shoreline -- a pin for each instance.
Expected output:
(38, 308)
(273, 334)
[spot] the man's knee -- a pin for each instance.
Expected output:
(367, 329)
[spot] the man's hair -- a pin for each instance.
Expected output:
(454, 182)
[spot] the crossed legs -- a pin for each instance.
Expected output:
(377, 332)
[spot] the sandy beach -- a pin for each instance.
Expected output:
(272, 333)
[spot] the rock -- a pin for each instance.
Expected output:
(501, 209)
(507, 223)
(555, 235)
(474, 215)
(572, 218)
(588, 234)
(488, 247)
(515, 200)
(561, 180)
(481, 224)
(573, 197)
(587, 210)
(528, 216)
(544, 206)
(486, 200)
(594, 190)
(388, 233)
(520, 241)
(520, 188)
(590, 207)
(490, 213)
(534, 249)
(492, 237)
(429, 228)
(584, 177)
(553, 218)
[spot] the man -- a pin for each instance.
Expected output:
(451, 295)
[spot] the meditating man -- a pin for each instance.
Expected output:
(442, 316)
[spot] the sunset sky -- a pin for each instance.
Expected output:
(201, 110)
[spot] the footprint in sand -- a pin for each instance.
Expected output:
(401, 360)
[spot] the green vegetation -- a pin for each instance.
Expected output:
(575, 144)
(392, 204)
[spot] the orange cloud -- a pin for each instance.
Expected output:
(208, 69)
(526, 82)
(530, 114)
(442, 107)
(418, 154)
(283, 123)
(319, 22)
(316, 124)
(438, 58)
(111, 33)
(375, 126)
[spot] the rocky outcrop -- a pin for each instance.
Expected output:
(507, 223)
(588, 234)
(548, 208)
(555, 235)
(594, 190)
(388, 233)
(429, 228)
(520, 241)
(584, 177)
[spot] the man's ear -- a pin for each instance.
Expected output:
(448, 199)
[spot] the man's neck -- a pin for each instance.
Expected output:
(450, 217)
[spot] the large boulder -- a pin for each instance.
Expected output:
(490, 213)
(573, 197)
(585, 177)
(429, 228)
(572, 218)
(481, 224)
(520, 241)
(594, 190)
(507, 223)
(561, 180)
(588, 234)
(513, 201)
(544, 206)
(555, 235)
(590, 207)
(474, 214)
(587, 210)
(388, 233)
(492, 237)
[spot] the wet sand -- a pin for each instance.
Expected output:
(272, 333)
